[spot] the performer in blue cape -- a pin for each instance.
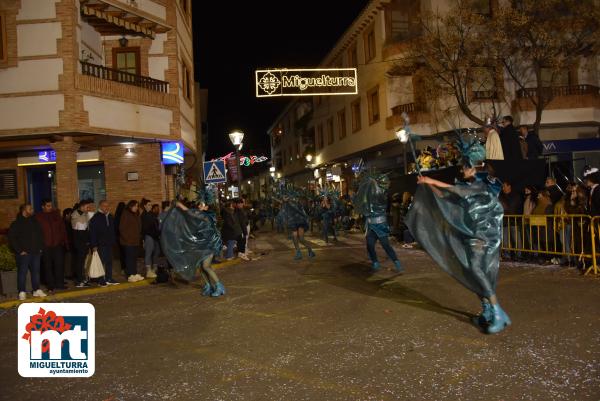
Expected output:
(190, 239)
(371, 201)
(460, 226)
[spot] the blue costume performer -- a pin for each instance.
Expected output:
(460, 226)
(296, 219)
(328, 210)
(370, 201)
(190, 239)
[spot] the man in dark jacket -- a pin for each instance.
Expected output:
(509, 137)
(535, 148)
(55, 241)
(512, 203)
(555, 191)
(231, 229)
(591, 177)
(27, 242)
(243, 219)
(103, 238)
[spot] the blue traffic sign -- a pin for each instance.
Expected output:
(214, 172)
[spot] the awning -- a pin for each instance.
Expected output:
(110, 18)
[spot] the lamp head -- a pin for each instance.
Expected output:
(309, 157)
(402, 135)
(236, 138)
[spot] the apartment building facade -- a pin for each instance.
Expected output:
(343, 132)
(89, 92)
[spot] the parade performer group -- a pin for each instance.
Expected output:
(460, 226)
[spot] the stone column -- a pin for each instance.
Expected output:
(67, 189)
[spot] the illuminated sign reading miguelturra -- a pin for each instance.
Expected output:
(306, 82)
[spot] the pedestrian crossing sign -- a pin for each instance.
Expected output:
(214, 172)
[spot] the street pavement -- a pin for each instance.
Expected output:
(328, 329)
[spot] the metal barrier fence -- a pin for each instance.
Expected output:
(570, 237)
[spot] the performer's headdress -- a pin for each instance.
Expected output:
(472, 152)
(206, 195)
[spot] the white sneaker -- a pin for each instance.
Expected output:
(39, 293)
(22, 296)
(150, 274)
(244, 256)
(139, 277)
(132, 278)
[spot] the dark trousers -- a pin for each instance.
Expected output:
(31, 263)
(131, 254)
(105, 253)
(80, 252)
(241, 244)
(328, 225)
(53, 267)
(385, 243)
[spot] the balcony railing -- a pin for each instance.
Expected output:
(559, 91)
(406, 108)
(110, 74)
(485, 94)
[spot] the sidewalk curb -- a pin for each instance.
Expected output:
(75, 293)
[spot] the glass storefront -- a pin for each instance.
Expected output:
(41, 184)
(90, 180)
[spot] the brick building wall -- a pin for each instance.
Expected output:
(146, 162)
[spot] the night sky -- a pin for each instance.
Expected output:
(233, 39)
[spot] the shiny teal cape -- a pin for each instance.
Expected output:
(188, 238)
(461, 229)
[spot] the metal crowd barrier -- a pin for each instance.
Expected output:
(570, 237)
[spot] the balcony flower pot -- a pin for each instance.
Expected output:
(8, 271)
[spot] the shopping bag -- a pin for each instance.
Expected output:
(96, 269)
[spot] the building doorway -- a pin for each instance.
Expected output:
(41, 184)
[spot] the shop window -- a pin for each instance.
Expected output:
(341, 117)
(90, 180)
(187, 81)
(127, 59)
(356, 123)
(330, 138)
(8, 184)
(370, 50)
(3, 51)
(373, 104)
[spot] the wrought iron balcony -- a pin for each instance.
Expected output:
(110, 74)
(555, 91)
(406, 108)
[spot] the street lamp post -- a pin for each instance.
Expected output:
(237, 137)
